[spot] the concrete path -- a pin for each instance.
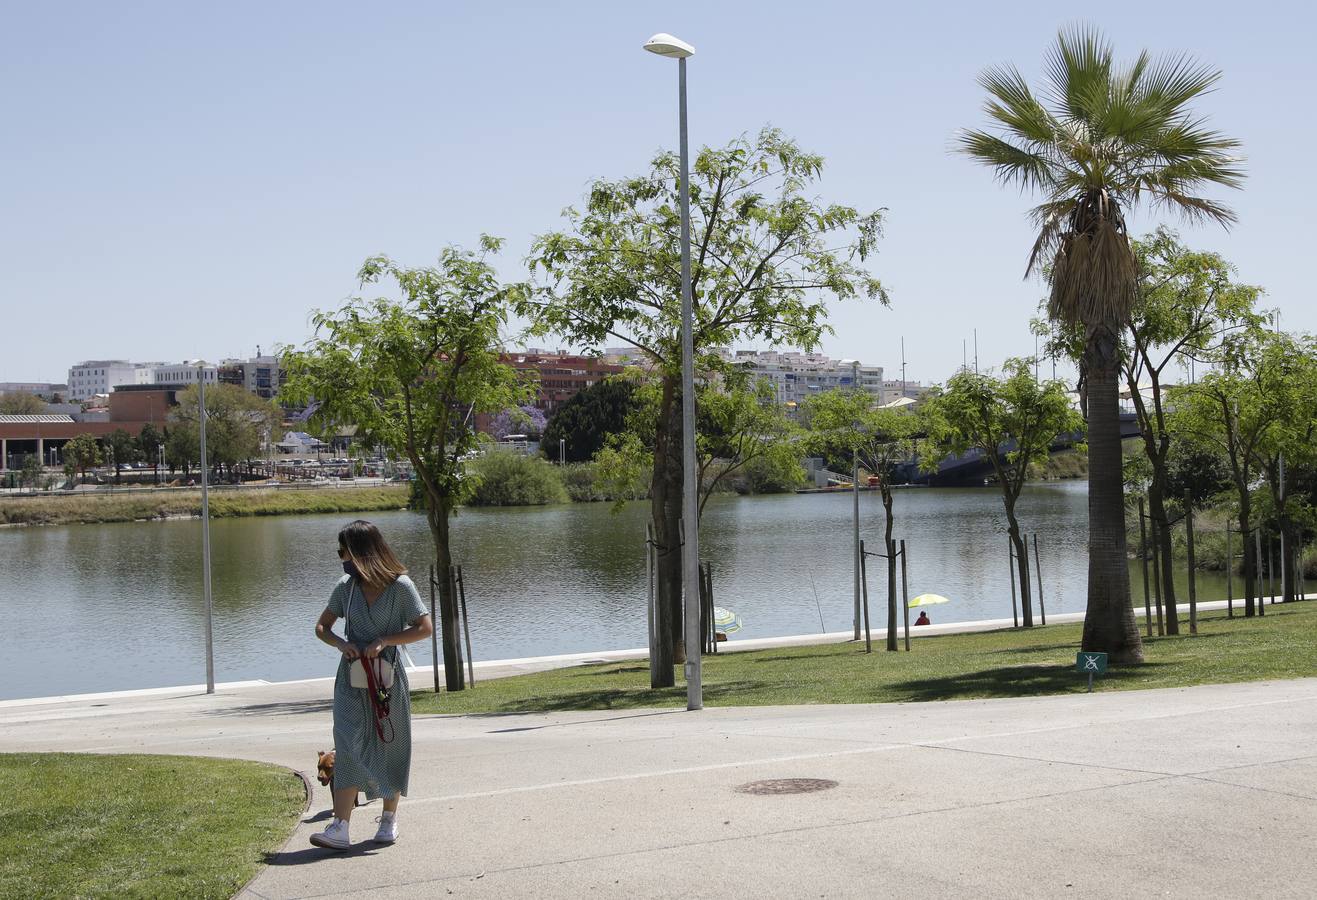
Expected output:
(1199, 792)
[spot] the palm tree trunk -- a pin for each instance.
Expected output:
(1109, 619)
(665, 512)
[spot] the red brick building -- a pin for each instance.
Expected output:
(560, 376)
(130, 409)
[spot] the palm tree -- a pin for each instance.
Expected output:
(1095, 142)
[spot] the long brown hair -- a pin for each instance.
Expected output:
(361, 542)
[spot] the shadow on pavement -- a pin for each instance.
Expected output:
(316, 854)
(283, 708)
(637, 698)
(637, 715)
(1011, 681)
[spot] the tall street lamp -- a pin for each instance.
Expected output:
(855, 503)
(675, 48)
(205, 529)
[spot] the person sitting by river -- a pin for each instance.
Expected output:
(923, 619)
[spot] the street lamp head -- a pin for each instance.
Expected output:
(669, 46)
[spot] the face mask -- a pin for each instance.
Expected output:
(350, 568)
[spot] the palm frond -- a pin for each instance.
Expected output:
(1013, 105)
(1173, 82)
(1050, 219)
(1078, 70)
(1012, 164)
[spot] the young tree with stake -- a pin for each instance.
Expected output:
(413, 374)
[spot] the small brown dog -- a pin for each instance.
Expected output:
(325, 771)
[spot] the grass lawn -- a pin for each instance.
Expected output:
(81, 825)
(1005, 663)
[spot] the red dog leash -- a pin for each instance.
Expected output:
(379, 700)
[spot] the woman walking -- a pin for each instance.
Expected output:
(372, 739)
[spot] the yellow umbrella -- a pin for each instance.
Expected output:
(929, 600)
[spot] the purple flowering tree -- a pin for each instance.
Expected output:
(525, 420)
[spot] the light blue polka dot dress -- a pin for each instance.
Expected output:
(362, 760)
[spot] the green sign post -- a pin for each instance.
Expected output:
(1091, 664)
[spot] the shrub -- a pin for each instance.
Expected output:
(511, 479)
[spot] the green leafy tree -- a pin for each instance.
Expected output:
(1187, 304)
(738, 425)
(30, 473)
(1098, 140)
(21, 403)
(764, 255)
(584, 422)
(1290, 364)
(846, 423)
(413, 374)
(123, 450)
(149, 439)
(80, 454)
(1238, 411)
(1013, 421)
(237, 424)
(506, 478)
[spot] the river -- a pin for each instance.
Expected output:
(118, 606)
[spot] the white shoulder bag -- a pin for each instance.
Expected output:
(382, 668)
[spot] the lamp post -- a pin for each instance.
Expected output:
(673, 48)
(855, 506)
(205, 529)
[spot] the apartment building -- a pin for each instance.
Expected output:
(100, 376)
(260, 375)
(188, 372)
(797, 376)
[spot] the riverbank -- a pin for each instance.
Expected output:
(137, 506)
(955, 666)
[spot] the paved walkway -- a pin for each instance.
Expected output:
(1208, 791)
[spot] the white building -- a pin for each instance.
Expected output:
(188, 372)
(796, 377)
(100, 376)
(903, 390)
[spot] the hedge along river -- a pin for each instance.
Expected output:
(119, 606)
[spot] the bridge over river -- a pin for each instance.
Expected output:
(973, 467)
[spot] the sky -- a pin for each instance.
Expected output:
(182, 181)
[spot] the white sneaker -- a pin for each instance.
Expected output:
(335, 836)
(388, 832)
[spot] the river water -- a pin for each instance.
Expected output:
(108, 607)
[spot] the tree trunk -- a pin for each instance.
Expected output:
(1021, 552)
(665, 512)
(1289, 584)
(890, 546)
(1021, 565)
(1246, 538)
(1109, 624)
(1161, 536)
(1285, 529)
(436, 513)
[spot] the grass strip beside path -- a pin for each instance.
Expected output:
(82, 825)
(1007, 663)
(89, 508)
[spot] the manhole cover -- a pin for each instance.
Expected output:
(787, 786)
